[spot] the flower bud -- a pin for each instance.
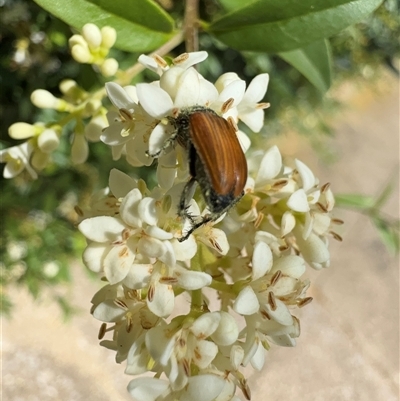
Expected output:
(109, 36)
(81, 53)
(48, 140)
(21, 130)
(45, 100)
(92, 35)
(77, 40)
(79, 149)
(92, 106)
(109, 67)
(95, 127)
(70, 88)
(40, 160)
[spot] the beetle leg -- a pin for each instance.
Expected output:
(186, 196)
(195, 226)
(166, 144)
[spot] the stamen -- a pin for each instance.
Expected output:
(181, 58)
(126, 234)
(102, 331)
(125, 114)
(304, 302)
(259, 219)
(325, 187)
(271, 300)
(129, 323)
(276, 277)
(160, 61)
(150, 293)
(78, 210)
(215, 244)
(186, 367)
(279, 184)
(263, 106)
(120, 303)
(336, 236)
(168, 280)
(322, 207)
(227, 105)
(337, 221)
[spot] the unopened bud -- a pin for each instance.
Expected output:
(44, 99)
(109, 36)
(95, 127)
(109, 67)
(21, 130)
(81, 54)
(79, 149)
(39, 160)
(77, 40)
(92, 35)
(48, 140)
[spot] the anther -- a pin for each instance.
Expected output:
(271, 300)
(102, 331)
(304, 302)
(336, 236)
(181, 58)
(276, 277)
(227, 105)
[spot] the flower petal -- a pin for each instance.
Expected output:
(206, 324)
(102, 228)
(118, 96)
(261, 261)
(117, 263)
(298, 201)
(246, 303)
(306, 175)
(154, 100)
(147, 388)
(270, 166)
(120, 183)
(192, 280)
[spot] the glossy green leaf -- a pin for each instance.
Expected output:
(314, 62)
(278, 26)
(141, 25)
(230, 5)
(354, 200)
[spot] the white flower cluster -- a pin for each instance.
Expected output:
(253, 258)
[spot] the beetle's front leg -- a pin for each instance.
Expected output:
(168, 142)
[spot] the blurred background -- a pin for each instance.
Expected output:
(349, 345)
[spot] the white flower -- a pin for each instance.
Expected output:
(176, 347)
(17, 159)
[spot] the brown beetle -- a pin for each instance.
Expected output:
(216, 162)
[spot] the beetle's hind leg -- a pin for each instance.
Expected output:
(186, 196)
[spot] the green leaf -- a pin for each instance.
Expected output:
(141, 25)
(387, 191)
(314, 62)
(354, 200)
(278, 26)
(230, 5)
(388, 234)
